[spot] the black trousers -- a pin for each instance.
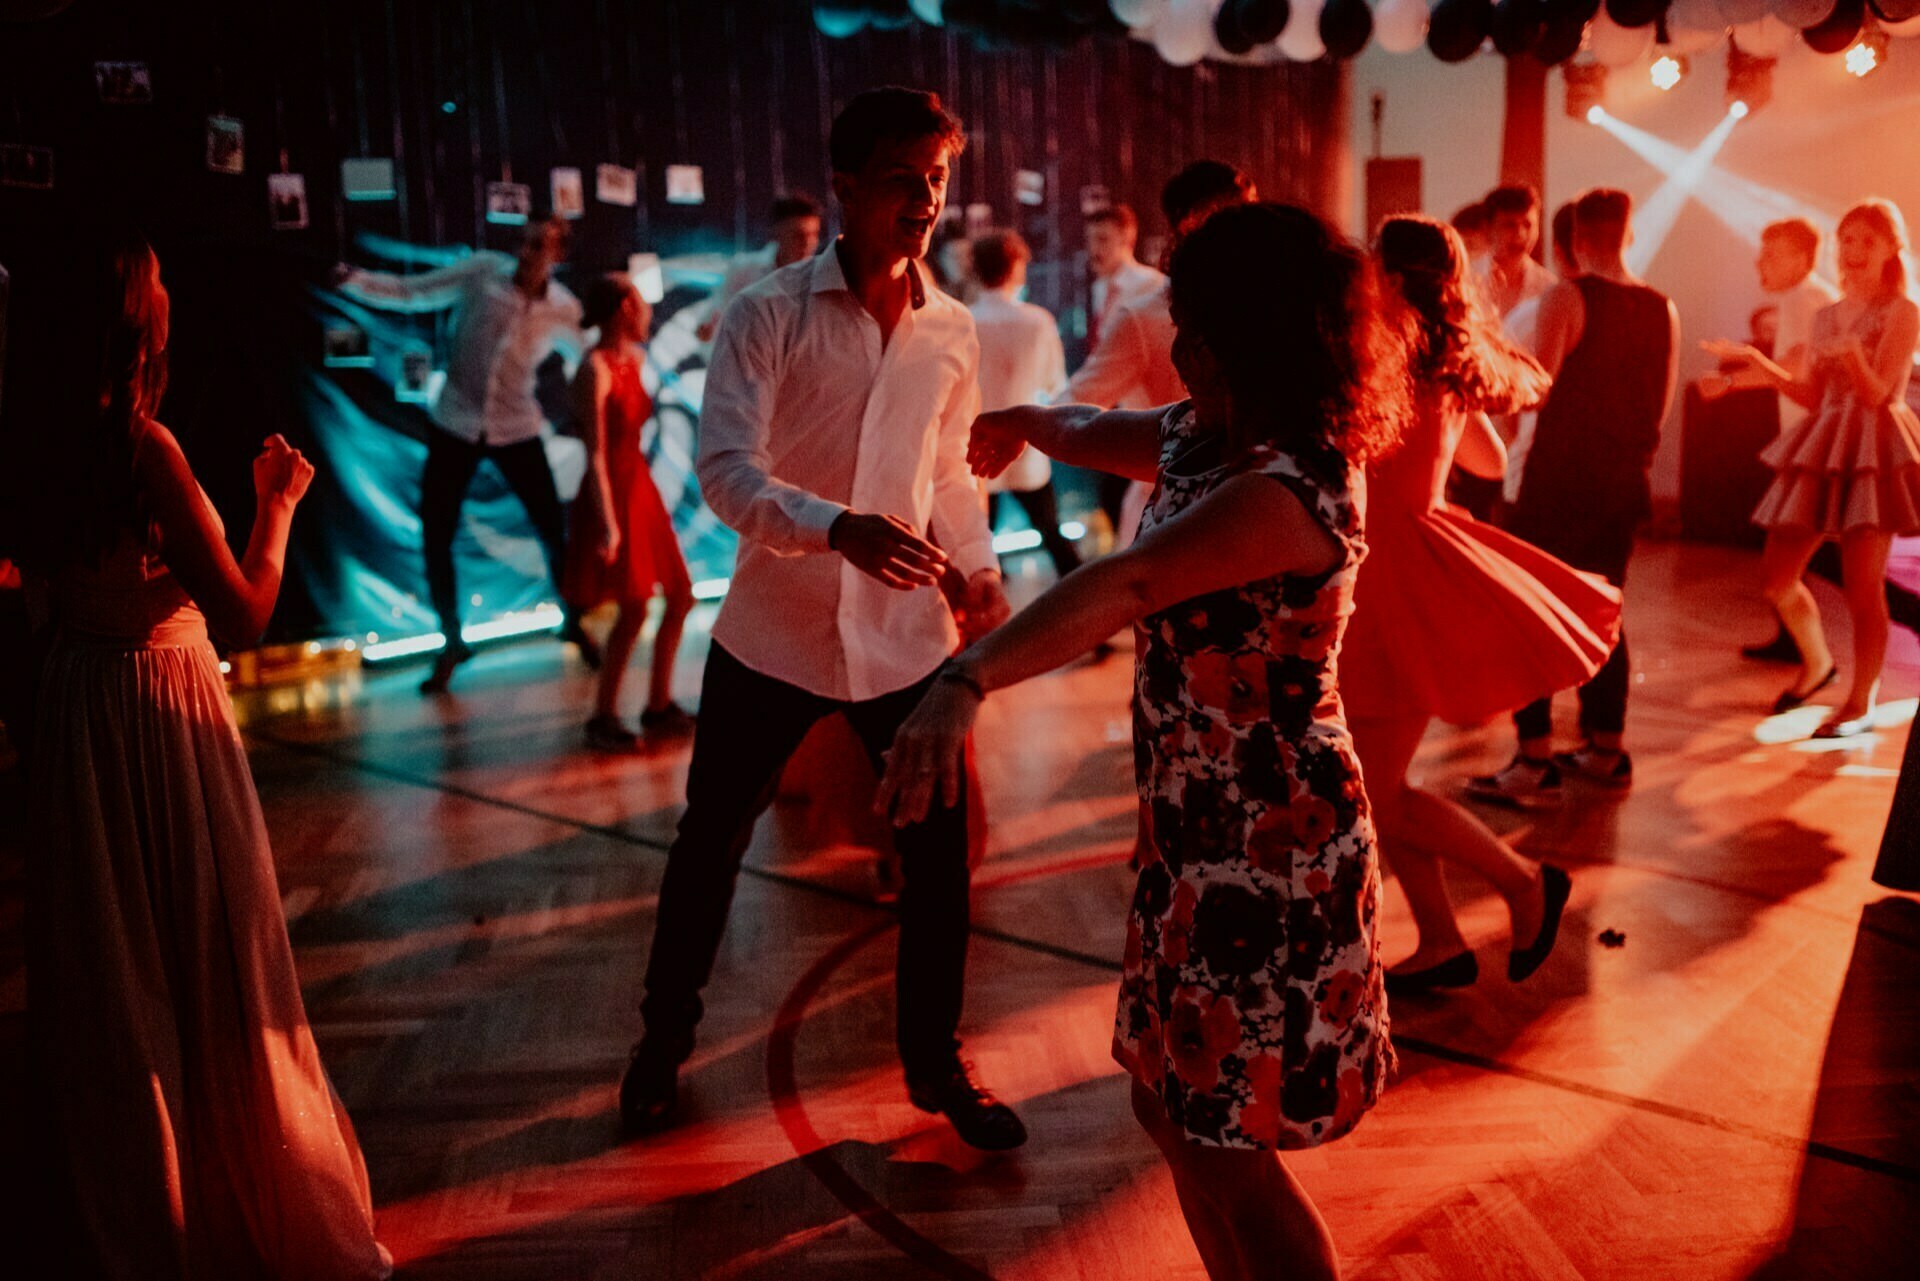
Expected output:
(451, 463)
(1603, 547)
(750, 724)
(1043, 509)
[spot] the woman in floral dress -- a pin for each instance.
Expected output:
(1251, 1015)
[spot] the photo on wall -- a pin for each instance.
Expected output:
(226, 145)
(568, 193)
(510, 203)
(367, 178)
(686, 185)
(123, 84)
(24, 166)
(616, 185)
(344, 345)
(287, 201)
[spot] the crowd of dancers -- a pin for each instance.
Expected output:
(1286, 410)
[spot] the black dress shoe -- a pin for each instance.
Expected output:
(442, 675)
(1780, 649)
(650, 1091)
(1456, 971)
(980, 1120)
(1795, 697)
(1526, 960)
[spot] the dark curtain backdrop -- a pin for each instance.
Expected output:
(462, 95)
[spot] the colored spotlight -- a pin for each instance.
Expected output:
(1668, 71)
(1738, 110)
(1864, 56)
(1596, 114)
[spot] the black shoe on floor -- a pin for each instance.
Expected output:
(649, 1092)
(442, 675)
(1558, 885)
(1780, 649)
(670, 721)
(980, 1120)
(607, 734)
(1795, 697)
(1456, 971)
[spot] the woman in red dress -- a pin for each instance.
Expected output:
(622, 547)
(1452, 617)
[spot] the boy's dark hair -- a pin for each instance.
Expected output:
(797, 205)
(1200, 183)
(605, 296)
(1796, 233)
(1563, 229)
(889, 114)
(1514, 198)
(1469, 219)
(1602, 215)
(1121, 216)
(996, 254)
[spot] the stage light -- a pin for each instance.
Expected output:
(1749, 79)
(1738, 110)
(1864, 56)
(1596, 114)
(1668, 71)
(1586, 89)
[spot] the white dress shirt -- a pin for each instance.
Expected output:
(500, 337)
(806, 416)
(1797, 306)
(743, 272)
(1132, 368)
(1021, 363)
(1534, 281)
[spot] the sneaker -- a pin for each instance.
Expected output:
(442, 675)
(1521, 784)
(668, 722)
(607, 734)
(1608, 769)
(980, 1120)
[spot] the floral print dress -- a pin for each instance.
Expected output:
(1252, 1000)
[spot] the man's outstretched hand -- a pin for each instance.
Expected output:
(886, 548)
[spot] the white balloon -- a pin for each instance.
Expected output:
(1742, 11)
(1301, 40)
(1801, 14)
(1184, 32)
(1138, 13)
(1613, 45)
(1685, 41)
(928, 11)
(1767, 38)
(1400, 26)
(1911, 27)
(1696, 15)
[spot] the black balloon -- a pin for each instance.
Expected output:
(1264, 20)
(1896, 10)
(1345, 27)
(1517, 25)
(1840, 28)
(1636, 13)
(1561, 38)
(1228, 31)
(1457, 28)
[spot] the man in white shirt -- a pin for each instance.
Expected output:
(510, 315)
(796, 236)
(1132, 368)
(833, 436)
(1022, 362)
(1116, 277)
(1522, 324)
(1508, 274)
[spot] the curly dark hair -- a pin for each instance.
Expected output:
(1459, 350)
(1291, 310)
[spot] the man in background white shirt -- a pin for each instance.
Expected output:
(1522, 325)
(796, 236)
(1022, 362)
(510, 315)
(1116, 276)
(833, 436)
(1508, 275)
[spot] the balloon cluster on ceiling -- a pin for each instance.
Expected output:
(1616, 34)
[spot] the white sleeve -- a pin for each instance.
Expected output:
(736, 420)
(424, 291)
(959, 524)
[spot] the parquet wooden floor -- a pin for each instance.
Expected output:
(1734, 1092)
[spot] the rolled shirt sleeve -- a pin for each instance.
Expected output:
(424, 291)
(1112, 373)
(736, 418)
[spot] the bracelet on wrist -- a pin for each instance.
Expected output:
(955, 675)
